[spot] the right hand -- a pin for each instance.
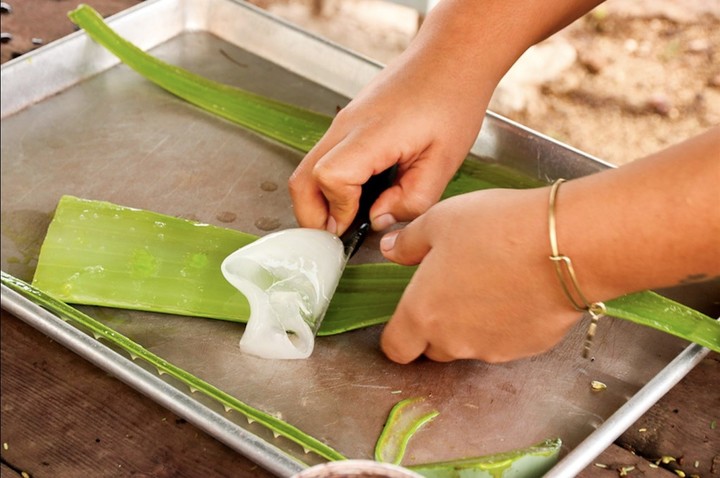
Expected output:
(413, 116)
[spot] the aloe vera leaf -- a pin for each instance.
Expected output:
(296, 127)
(99, 330)
(653, 310)
(138, 260)
(99, 253)
(90, 256)
(530, 462)
(288, 124)
(404, 420)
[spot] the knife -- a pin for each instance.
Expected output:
(355, 235)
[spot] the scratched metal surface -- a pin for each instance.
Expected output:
(116, 137)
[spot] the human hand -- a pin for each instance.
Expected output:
(485, 288)
(406, 117)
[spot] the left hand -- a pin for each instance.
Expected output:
(485, 287)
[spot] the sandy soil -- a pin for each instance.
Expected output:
(641, 75)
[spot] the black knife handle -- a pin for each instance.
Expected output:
(360, 227)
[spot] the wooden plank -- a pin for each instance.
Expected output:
(684, 426)
(617, 461)
(62, 416)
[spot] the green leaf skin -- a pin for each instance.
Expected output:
(653, 310)
(296, 127)
(531, 462)
(404, 420)
(98, 253)
(99, 330)
(139, 261)
(288, 124)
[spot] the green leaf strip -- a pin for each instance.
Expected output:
(288, 124)
(530, 462)
(404, 420)
(99, 330)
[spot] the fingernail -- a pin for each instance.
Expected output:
(331, 225)
(383, 221)
(388, 241)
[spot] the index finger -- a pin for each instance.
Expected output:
(401, 340)
(309, 203)
(341, 172)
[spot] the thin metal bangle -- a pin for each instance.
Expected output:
(564, 267)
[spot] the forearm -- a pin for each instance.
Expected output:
(474, 43)
(650, 224)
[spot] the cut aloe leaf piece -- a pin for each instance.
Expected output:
(293, 126)
(288, 278)
(99, 253)
(139, 260)
(296, 127)
(404, 420)
(531, 462)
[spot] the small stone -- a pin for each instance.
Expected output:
(661, 104)
(37, 41)
(715, 80)
(593, 63)
(5, 37)
(699, 45)
(630, 45)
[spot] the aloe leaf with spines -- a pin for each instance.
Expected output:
(446, 469)
(530, 462)
(137, 351)
(288, 124)
(99, 253)
(408, 416)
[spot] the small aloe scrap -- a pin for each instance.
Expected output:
(404, 420)
(408, 416)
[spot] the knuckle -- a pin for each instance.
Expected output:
(326, 174)
(417, 204)
(295, 185)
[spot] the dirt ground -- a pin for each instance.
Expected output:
(639, 76)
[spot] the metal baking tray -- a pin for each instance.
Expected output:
(76, 122)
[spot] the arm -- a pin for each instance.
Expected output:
(652, 223)
(422, 112)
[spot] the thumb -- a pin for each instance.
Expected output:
(406, 246)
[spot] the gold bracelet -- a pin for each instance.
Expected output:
(564, 268)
